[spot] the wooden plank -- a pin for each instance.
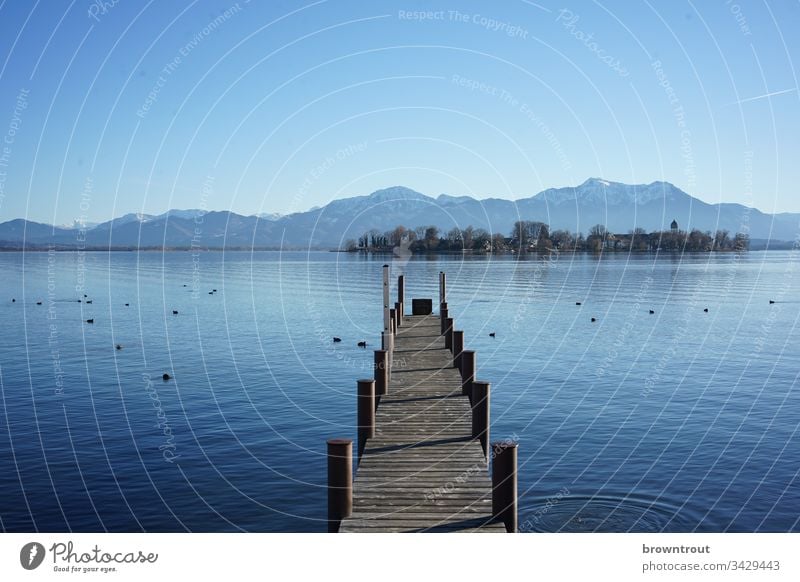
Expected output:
(422, 471)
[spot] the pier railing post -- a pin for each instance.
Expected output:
(386, 321)
(480, 413)
(458, 348)
(467, 372)
(401, 288)
(387, 344)
(392, 321)
(401, 295)
(366, 413)
(340, 482)
(448, 334)
(504, 484)
(381, 374)
(442, 287)
(443, 316)
(398, 314)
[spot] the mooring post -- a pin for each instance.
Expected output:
(458, 348)
(448, 334)
(504, 484)
(340, 482)
(393, 321)
(386, 321)
(381, 374)
(366, 413)
(480, 412)
(387, 343)
(442, 287)
(401, 295)
(398, 314)
(443, 316)
(467, 372)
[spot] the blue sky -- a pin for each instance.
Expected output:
(110, 108)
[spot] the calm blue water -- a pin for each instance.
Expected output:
(678, 421)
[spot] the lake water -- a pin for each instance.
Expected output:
(681, 420)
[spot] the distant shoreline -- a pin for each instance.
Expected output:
(773, 246)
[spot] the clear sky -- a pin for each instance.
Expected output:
(130, 106)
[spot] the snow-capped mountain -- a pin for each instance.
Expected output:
(620, 207)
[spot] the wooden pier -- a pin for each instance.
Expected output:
(423, 443)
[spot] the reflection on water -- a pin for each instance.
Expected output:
(680, 420)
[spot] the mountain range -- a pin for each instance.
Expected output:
(620, 207)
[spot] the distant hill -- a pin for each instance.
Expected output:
(620, 207)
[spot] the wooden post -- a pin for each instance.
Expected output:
(381, 373)
(442, 287)
(398, 314)
(386, 322)
(387, 343)
(448, 334)
(480, 412)
(467, 372)
(366, 413)
(340, 482)
(443, 316)
(401, 289)
(392, 321)
(504, 484)
(458, 348)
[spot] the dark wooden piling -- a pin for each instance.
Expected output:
(504, 484)
(387, 344)
(381, 373)
(366, 413)
(442, 287)
(398, 314)
(421, 306)
(443, 316)
(401, 289)
(401, 297)
(458, 348)
(480, 412)
(340, 482)
(386, 321)
(448, 334)
(467, 372)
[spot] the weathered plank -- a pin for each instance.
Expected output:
(422, 471)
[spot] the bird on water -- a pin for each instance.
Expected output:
(593, 320)
(174, 312)
(90, 321)
(336, 339)
(165, 376)
(362, 344)
(705, 310)
(652, 312)
(577, 303)
(492, 334)
(771, 302)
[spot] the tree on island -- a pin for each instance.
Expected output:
(535, 236)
